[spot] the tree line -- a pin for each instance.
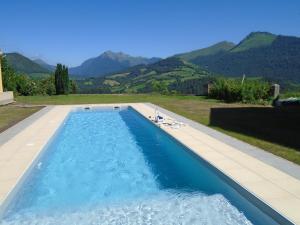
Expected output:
(227, 89)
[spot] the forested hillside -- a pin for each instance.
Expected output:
(218, 48)
(22, 64)
(168, 75)
(259, 54)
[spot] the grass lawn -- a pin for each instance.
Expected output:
(192, 107)
(11, 114)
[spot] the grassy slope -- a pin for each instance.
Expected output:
(166, 70)
(255, 40)
(137, 78)
(11, 114)
(212, 50)
(195, 108)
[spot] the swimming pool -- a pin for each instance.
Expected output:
(115, 167)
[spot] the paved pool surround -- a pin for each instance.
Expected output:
(21, 146)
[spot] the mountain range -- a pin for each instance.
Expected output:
(107, 63)
(260, 54)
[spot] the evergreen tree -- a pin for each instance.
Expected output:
(57, 76)
(66, 81)
(73, 87)
(61, 79)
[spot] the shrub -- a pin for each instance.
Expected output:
(47, 86)
(73, 86)
(234, 90)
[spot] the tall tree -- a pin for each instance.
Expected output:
(61, 79)
(73, 87)
(66, 81)
(58, 79)
(8, 76)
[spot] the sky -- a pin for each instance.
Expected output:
(71, 31)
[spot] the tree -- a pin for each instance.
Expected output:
(8, 76)
(58, 79)
(26, 86)
(73, 86)
(47, 86)
(65, 79)
(61, 79)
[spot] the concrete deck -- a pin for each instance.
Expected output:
(275, 187)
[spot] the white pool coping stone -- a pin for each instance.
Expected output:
(24, 143)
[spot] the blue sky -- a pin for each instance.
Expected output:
(69, 31)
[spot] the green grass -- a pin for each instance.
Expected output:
(192, 107)
(212, 50)
(11, 114)
(290, 95)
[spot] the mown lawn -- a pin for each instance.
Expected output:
(11, 114)
(192, 107)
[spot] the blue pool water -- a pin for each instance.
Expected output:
(115, 167)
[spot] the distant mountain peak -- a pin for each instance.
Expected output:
(111, 53)
(228, 43)
(255, 40)
(109, 62)
(108, 52)
(114, 55)
(259, 33)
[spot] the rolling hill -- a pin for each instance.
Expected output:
(259, 54)
(254, 40)
(172, 72)
(218, 48)
(108, 62)
(24, 65)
